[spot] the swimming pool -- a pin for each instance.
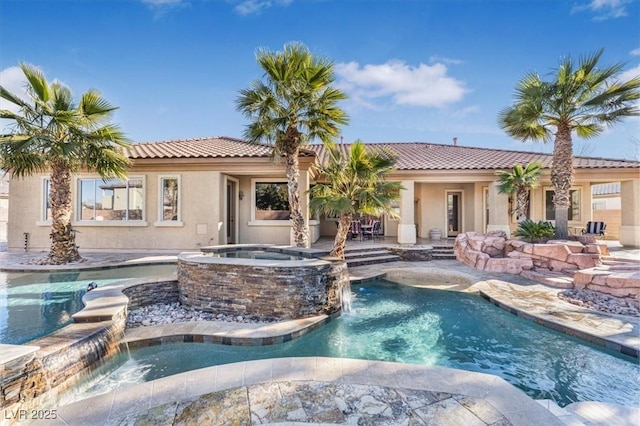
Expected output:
(34, 304)
(397, 323)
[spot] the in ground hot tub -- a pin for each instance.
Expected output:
(262, 281)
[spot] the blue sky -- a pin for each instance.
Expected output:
(423, 71)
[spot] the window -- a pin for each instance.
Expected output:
(169, 198)
(271, 201)
(111, 199)
(46, 202)
(574, 208)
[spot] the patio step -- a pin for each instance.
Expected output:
(369, 256)
(353, 254)
(360, 261)
(443, 253)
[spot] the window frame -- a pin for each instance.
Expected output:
(271, 222)
(161, 221)
(45, 191)
(580, 213)
(123, 222)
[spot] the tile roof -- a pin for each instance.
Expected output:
(429, 156)
(411, 155)
(212, 147)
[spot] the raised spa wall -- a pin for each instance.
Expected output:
(265, 289)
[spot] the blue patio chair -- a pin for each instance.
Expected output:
(595, 228)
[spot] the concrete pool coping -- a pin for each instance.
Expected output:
(523, 289)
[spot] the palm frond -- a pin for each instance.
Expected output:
(38, 85)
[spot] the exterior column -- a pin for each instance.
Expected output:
(407, 224)
(498, 210)
(630, 214)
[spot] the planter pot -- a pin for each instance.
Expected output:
(435, 234)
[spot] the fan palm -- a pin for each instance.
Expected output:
(52, 132)
(355, 184)
(294, 105)
(519, 181)
(584, 99)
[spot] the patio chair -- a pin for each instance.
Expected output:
(595, 228)
(355, 230)
(374, 230)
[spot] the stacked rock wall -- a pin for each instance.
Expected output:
(581, 263)
(67, 356)
(265, 290)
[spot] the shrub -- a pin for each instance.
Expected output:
(534, 232)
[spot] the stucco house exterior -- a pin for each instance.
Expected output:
(185, 194)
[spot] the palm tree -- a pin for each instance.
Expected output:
(51, 132)
(355, 184)
(583, 99)
(519, 181)
(294, 105)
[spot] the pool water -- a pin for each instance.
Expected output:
(421, 326)
(34, 304)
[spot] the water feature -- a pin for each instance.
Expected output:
(34, 304)
(422, 326)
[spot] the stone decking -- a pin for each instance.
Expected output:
(541, 305)
(315, 390)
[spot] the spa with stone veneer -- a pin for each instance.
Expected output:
(262, 282)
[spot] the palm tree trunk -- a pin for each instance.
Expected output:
(300, 232)
(63, 243)
(561, 178)
(522, 201)
(340, 242)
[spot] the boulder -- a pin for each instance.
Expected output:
(573, 246)
(552, 251)
(505, 266)
(582, 260)
(475, 243)
(557, 265)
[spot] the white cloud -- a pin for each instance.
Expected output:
(604, 9)
(424, 85)
(13, 80)
(251, 7)
(630, 73)
(635, 52)
(161, 7)
(464, 112)
(445, 60)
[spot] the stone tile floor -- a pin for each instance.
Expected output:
(316, 390)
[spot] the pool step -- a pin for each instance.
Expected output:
(369, 256)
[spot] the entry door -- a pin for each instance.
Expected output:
(231, 212)
(454, 213)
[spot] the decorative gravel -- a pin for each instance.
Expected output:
(161, 313)
(601, 302)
